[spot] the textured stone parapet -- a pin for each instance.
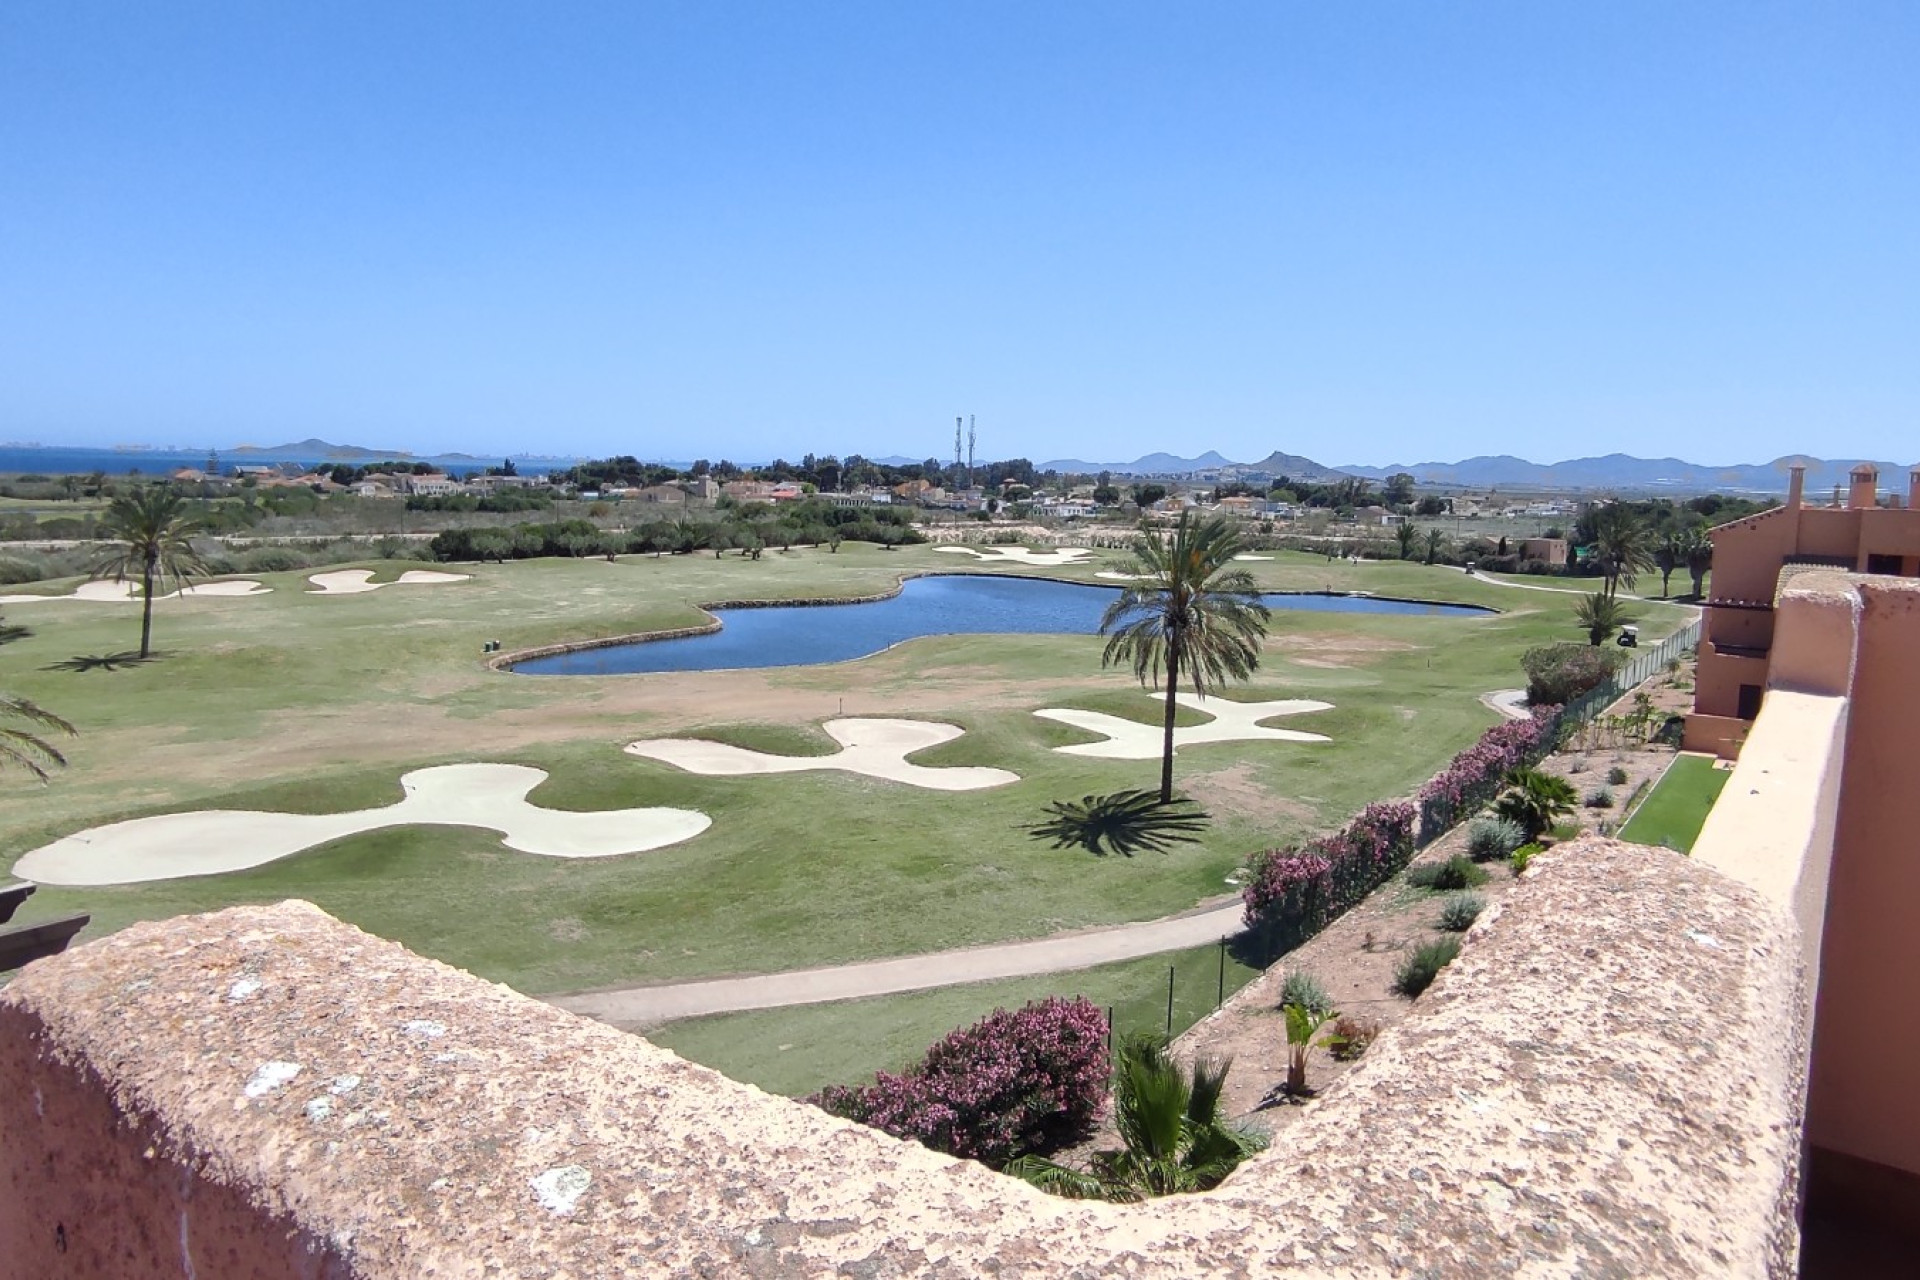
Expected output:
(1606, 1082)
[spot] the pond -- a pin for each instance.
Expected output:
(965, 604)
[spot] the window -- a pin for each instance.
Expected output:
(1883, 564)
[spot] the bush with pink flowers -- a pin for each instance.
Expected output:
(1301, 889)
(1475, 776)
(1015, 1083)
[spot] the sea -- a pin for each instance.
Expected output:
(55, 460)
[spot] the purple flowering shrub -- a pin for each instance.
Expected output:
(1015, 1083)
(1475, 776)
(1303, 888)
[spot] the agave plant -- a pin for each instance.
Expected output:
(1169, 1122)
(1122, 823)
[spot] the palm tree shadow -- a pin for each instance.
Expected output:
(1124, 822)
(102, 661)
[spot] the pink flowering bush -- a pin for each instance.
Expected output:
(1475, 776)
(1302, 889)
(1012, 1084)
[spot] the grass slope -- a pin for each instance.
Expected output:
(314, 703)
(1676, 809)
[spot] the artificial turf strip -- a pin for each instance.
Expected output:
(1673, 813)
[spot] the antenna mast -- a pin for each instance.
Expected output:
(956, 442)
(971, 438)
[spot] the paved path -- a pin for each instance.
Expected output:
(640, 1006)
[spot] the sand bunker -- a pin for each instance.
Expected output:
(1125, 577)
(1055, 559)
(110, 591)
(1249, 556)
(352, 582)
(1232, 722)
(872, 748)
(172, 845)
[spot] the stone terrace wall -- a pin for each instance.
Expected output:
(1606, 1082)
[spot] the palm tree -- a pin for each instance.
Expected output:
(1535, 801)
(1169, 1122)
(1668, 556)
(24, 749)
(153, 533)
(1601, 614)
(1408, 533)
(1436, 543)
(1191, 613)
(1698, 558)
(1622, 545)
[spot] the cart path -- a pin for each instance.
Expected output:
(1082, 949)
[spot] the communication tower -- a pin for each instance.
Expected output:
(971, 441)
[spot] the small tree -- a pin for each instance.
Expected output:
(1699, 559)
(1302, 1023)
(1407, 534)
(1600, 614)
(1436, 544)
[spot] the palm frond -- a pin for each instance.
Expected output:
(1068, 1183)
(23, 749)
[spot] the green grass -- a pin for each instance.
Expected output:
(796, 1050)
(311, 703)
(1677, 808)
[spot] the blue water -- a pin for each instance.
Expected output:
(974, 604)
(56, 460)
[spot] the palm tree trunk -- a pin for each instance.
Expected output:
(1166, 749)
(146, 609)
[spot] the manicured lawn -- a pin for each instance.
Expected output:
(1673, 813)
(294, 701)
(796, 1050)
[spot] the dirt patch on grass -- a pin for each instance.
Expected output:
(1236, 790)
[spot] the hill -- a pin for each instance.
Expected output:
(1620, 471)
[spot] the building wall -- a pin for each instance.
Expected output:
(1867, 1037)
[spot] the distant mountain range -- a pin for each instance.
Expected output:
(322, 451)
(1615, 471)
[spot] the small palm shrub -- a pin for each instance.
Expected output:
(1492, 838)
(1521, 857)
(1303, 989)
(1458, 913)
(1617, 776)
(1351, 1037)
(1600, 798)
(1455, 873)
(1535, 800)
(1302, 1024)
(1420, 968)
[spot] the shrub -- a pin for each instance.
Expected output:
(1458, 913)
(1419, 969)
(1013, 1083)
(1303, 888)
(1351, 1037)
(1455, 873)
(1559, 673)
(17, 571)
(1534, 800)
(1303, 989)
(1600, 798)
(272, 560)
(1617, 776)
(1578, 764)
(1521, 857)
(1474, 777)
(1491, 838)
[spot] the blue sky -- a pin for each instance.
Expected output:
(1365, 233)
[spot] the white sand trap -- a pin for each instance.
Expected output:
(109, 591)
(873, 748)
(172, 845)
(1232, 722)
(1249, 556)
(1113, 576)
(1055, 559)
(353, 582)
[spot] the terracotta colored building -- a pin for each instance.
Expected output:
(1749, 557)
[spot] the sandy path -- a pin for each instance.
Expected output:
(351, 582)
(1232, 722)
(109, 591)
(173, 845)
(1511, 703)
(873, 748)
(640, 1006)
